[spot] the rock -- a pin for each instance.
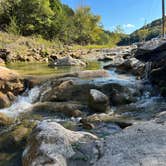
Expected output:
(5, 120)
(10, 86)
(67, 61)
(14, 139)
(69, 109)
(153, 50)
(3, 54)
(1, 61)
(93, 74)
(141, 144)
(4, 101)
(51, 144)
(106, 118)
(154, 53)
(98, 101)
(69, 88)
(158, 74)
(10, 81)
(131, 65)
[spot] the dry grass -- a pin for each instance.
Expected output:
(21, 45)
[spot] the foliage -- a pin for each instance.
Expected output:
(149, 31)
(13, 28)
(142, 34)
(55, 21)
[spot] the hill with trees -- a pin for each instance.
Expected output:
(145, 33)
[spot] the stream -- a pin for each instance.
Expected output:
(144, 108)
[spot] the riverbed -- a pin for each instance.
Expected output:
(144, 107)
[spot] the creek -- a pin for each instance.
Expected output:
(143, 108)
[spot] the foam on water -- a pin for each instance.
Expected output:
(22, 103)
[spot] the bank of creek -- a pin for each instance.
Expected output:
(112, 111)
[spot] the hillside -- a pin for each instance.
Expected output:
(152, 29)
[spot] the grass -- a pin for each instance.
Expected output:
(20, 45)
(75, 47)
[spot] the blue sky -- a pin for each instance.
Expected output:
(130, 14)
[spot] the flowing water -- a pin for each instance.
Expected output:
(145, 107)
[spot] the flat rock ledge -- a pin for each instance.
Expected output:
(143, 144)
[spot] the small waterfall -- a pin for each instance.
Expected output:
(148, 67)
(22, 103)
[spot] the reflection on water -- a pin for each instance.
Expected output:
(43, 69)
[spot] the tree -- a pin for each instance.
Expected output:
(142, 34)
(116, 35)
(87, 26)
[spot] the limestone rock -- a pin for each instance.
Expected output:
(67, 61)
(141, 144)
(98, 101)
(51, 144)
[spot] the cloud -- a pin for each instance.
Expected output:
(128, 26)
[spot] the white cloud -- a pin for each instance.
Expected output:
(128, 26)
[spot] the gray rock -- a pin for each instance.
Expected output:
(52, 145)
(98, 101)
(142, 144)
(67, 61)
(151, 51)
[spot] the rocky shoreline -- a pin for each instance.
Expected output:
(97, 118)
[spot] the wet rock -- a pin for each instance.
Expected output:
(76, 89)
(67, 61)
(161, 117)
(141, 144)
(131, 65)
(158, 74)
(4, 101)
(10, 81)
(14, 139)
(69, 109)
(10, 86)
(93, 74)
(106, 118)
(98, 101)
(5, 120)
(51, 144)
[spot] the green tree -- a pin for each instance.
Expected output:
(13, 27)
(142, 34)
(87, 26)
(116, 35)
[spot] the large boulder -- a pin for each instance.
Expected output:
(53, 145)
(153, 50)
(141, 144)
(11, 85)
(98, 101)
(67, 61)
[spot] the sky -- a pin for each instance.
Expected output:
(130, 14)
